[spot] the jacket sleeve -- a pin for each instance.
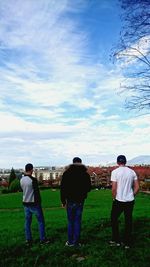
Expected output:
(88, 183)
(62, 190)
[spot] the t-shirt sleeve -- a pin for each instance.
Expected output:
(113, 177)
(134, 176)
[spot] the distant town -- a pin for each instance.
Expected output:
(51, 176)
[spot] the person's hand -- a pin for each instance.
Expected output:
(63, 206)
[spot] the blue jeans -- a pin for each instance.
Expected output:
(37, 211)
(74, 214)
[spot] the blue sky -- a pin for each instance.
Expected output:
(60, 93)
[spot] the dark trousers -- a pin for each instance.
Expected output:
(74, 214)
(117, 208)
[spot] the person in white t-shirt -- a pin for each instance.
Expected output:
(125, 186)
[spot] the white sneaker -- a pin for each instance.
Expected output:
(127, 247)
(78, 245)
(114, 244)
(68, 244)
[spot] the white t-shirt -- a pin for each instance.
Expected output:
(125, 178)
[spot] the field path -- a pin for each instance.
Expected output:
(20, 209)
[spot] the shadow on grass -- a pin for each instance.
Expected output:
(94, 252)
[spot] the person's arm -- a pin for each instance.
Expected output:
(62, 192)
(135, 187)
(88, 183)
(114, 189)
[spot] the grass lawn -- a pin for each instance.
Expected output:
(96, 231)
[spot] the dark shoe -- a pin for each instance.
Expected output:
(114, 243)
(68, 244)
(44, 242)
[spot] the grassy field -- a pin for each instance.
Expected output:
(96, 232)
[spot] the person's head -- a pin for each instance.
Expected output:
(29, 168)
(77, 160)
(121, 160)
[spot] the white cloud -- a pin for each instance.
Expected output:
(138, 121)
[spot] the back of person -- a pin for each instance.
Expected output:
(76, 183)
(32, 205)
(31, 193)
(27, 187)
(125, 178)
(124, 188)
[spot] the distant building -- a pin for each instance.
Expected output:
(45, 174)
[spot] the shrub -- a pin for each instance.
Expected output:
(5, 191)
(15, 186)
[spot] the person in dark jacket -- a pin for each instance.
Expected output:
(75, 185)
(32, 205)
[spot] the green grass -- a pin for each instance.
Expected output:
(96, 231)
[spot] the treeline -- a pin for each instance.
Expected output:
(100, 178)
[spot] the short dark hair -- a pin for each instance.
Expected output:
(121, 159)
(28, 167)
(77, 160)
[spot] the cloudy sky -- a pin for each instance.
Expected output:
(59, 91)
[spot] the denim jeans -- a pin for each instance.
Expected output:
(37, 211)
(117, 208)
(74, 214)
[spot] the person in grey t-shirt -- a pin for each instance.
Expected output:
(32, 205)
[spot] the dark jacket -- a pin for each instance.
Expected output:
(75, 184)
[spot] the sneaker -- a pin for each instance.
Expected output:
(28, 243)
(68, 244)
(44, 242)
(114, 243)
(78, 245)
(127, 247)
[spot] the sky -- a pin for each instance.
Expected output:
(59, 90)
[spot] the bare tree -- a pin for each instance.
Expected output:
(133, 52)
